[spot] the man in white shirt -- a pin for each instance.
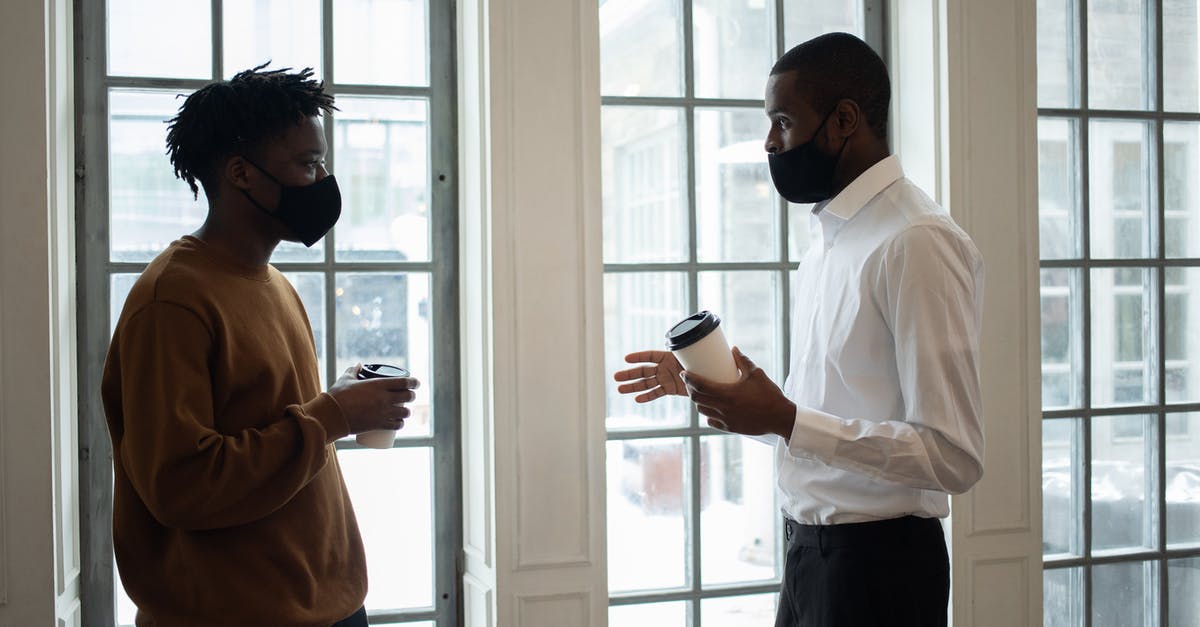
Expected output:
(880, 417)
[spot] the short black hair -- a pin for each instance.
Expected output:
(840, 66)
(228, 117)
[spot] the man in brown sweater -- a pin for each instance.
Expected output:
(229, 506)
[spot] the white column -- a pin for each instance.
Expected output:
(532, 344)
(966, 116)
(39, 495)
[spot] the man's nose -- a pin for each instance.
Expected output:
(771, 145)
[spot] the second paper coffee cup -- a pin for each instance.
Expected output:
(699, 343)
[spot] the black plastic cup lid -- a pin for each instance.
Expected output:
(692, 329)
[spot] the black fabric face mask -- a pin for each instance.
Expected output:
(308, 210)
(804, 174)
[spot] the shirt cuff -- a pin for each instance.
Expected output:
(325, 410)
(814, 434)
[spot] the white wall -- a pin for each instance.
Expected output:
(39, 550)
(533, 365)
(967, 131)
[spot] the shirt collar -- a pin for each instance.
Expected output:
(861, 190)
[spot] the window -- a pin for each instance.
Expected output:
(693, 222)
(381, 287)
(1119, 130)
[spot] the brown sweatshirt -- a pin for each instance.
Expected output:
(228, 507)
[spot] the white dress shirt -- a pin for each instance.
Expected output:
(885, 337)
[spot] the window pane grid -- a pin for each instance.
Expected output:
(436, 271)
(1123, 321)
(707, 273)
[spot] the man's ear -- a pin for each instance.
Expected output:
(236, 171)
(846, 119)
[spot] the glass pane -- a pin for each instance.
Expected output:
(641, 48)
(748, 304)
(149, 207)
(1182, 347)
(380, 42)
(126, 610)
(392, 495)
(803, 229)
(1062, 489)
(737, 208)
(1062, 331)
(285, 32)
(1181, 188)
(648, 507)
(1183, 479)
(804, 21)
(1183, 580)
(384, 318)
(1120, 204)
(118, 291)
(738, 611)
(738, 516)
(1122, 515)
(1125, 594)
(1062, 592)
(656, 614)
(162, 38)
(1058, 189)
(1124, 363)
(1119, 40)
(311, 287)
(381, 148)
(645, 172)
(639, 308)
(1058, 85)
(1181, 55)
(734, 47)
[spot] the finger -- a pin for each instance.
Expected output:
(646, 357)
(395, 384)
(352, 371)
(640, 385)
(656, 393)
(704, 398)
(744, 363)
(709, 411)
(717, 423)
(402, 396)
(699, 382)
(393, 413)
(643, 372)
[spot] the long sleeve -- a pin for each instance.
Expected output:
(189, 475)
(928, 290)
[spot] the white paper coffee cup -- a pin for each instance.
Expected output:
(699, 343)
(379, 438)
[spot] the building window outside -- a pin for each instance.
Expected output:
(380, 288)
(1119, 131)
(693, 222)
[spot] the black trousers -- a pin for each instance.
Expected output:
(890, 573)
(357, 619)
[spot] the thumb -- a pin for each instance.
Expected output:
(744, 363)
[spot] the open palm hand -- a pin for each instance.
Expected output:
(657, 375)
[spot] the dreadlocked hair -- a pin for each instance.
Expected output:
(227, 117)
